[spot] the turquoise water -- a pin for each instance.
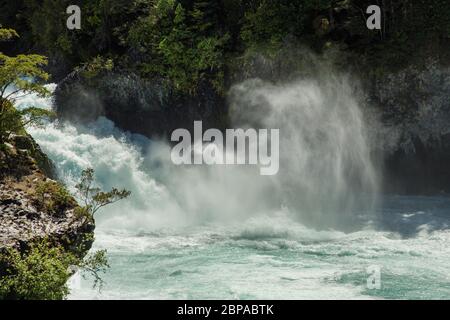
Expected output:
(156, 252)
(274, 259)
(218, 234)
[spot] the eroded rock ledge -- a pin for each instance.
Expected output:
(23, 217)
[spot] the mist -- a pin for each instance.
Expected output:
(326, 176)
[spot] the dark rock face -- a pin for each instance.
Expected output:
(423, 170)
(415, 108)
(408, 118)
(137, 105)
(412, 142)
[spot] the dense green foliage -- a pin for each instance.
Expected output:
(22, 75)
(188, 42)
(179, 44)
(42, 271)
(18, 72)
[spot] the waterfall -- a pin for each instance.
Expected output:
(184, 224)
(326, 175)
(326, 171)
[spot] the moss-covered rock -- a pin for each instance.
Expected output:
(26, 142)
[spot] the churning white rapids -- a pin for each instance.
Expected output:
(228, 233)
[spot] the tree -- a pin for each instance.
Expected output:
(181, 44)
(41, 272)
(93, 198)
(23, 75)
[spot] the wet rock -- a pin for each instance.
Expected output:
(415, 138)
(148, 107)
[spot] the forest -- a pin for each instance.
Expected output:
(186, 43)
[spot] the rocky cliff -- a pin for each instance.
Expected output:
(411, 133)
(32, 205)
(415, 139)
(148, 107)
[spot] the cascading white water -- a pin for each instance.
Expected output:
(325, 167)
(226, 232)
(326, 172)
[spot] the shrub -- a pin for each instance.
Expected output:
(23, 74)
(53, 197)
(96, 66)
(41, 272)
